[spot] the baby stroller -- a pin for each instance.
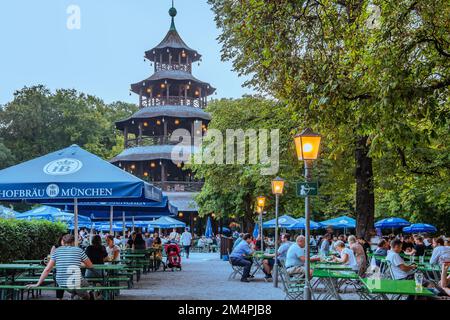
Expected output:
(173, 260)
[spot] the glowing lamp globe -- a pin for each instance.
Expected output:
(307, 145)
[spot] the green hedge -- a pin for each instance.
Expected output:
(25, 240)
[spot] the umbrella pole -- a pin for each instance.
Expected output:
(132, 219)
(75, 225)
(111, 213)
(123, 225)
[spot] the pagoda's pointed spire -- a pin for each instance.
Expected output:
(173, 13)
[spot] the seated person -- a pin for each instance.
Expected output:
(408, 245)
(68, 259)
(281, 255)
(346, 256)
(381, 250)
(400, 271)
(240, 254)
(418, 247)
(238, 239)
(325, 245)
(296, 257)
(445, 279)
(441, 253)
(96, 252)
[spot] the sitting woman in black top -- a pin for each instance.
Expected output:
(96, 252)
(139, 242)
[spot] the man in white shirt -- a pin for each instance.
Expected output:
(400, 271)
(173, 236)
(441, 253)
(186, 241)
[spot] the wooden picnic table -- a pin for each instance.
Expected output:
(399, 288)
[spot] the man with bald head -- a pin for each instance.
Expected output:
(296, 256)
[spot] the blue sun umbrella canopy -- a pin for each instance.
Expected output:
(137, 224)
(68, 174)
(390, 223)
(420, 228)
(7, 213)
(256, 231)
(283, 222)
(54, 215)
(101, 210)
(105, 227)
(167, 223)
(343, 222)
(301, 225)
(208, 230)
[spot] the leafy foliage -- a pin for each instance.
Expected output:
(37, 122)
(27, 239)
(350, 69)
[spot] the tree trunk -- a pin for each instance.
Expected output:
(365, 200)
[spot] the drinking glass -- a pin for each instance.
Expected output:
(421, 259)
(418, 277)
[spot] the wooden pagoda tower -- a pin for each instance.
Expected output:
(170, 99)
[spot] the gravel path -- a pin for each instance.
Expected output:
(204, 277)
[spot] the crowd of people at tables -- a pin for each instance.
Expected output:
(347, 250)
(98, 249)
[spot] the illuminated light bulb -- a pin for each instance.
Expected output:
(145, 124)
(133, 167)
(177, 122)
(163, 85)
(145, 174)
(158, 122)
(152, 165)
(307, 147)
(149, 90)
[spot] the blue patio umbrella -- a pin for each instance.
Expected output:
(256, 231)
(105, 227)
(390, 223)
(54, 215)
(143, 210)
(420, 228)
(343, 222)
(71, 175)
(300, 225)
(68, 174)
(167, 223)
(283, 222)
(7, 213)
(224, 230)
(208, 230)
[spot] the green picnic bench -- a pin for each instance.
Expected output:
(16, 292)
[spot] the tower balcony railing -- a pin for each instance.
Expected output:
(146, 141)
(173, 67)
(178, 186)
(177, 101)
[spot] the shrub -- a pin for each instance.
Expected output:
(25, 240)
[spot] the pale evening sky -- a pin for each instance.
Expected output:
(105, 55)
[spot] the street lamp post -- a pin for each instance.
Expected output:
(277, 189)
(307, 144)
(261, 200)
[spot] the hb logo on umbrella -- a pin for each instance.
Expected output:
(63, 167)
(52, 190)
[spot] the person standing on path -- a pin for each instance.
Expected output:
(186, 241)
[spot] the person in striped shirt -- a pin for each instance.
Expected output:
(68, 259)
